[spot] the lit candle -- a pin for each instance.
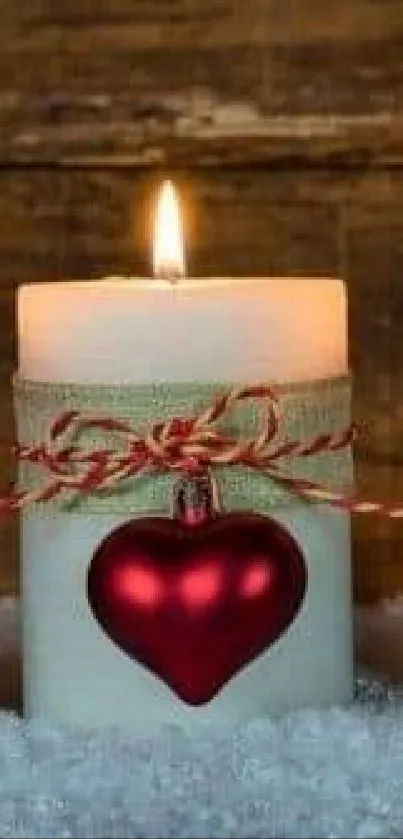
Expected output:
(130, 330)
(127, 332)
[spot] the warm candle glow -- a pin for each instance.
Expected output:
(169, 261)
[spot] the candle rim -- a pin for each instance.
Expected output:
(281, 385)
(202, 282)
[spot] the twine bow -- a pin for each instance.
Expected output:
(181, 445)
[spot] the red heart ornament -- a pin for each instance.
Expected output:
(195, 600)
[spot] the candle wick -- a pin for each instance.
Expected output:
(170, 274)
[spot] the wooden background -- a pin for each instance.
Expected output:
(281, 123)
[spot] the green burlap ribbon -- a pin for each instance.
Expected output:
(309, 409)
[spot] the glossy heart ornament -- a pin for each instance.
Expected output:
(196, 598)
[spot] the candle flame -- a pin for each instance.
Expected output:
(169, 260)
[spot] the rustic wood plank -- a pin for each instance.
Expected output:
(221, 82)
(373, 229)
(10, 655)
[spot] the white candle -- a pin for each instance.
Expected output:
(123, 330)
(130, 331)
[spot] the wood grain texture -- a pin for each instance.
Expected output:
(168, 82)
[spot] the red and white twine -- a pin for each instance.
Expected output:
(182, 445)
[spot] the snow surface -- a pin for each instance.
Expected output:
(329, 774)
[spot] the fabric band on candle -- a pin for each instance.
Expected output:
(309, 409)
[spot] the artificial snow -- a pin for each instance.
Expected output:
(330, 774)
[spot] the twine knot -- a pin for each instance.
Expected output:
(194, 444)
